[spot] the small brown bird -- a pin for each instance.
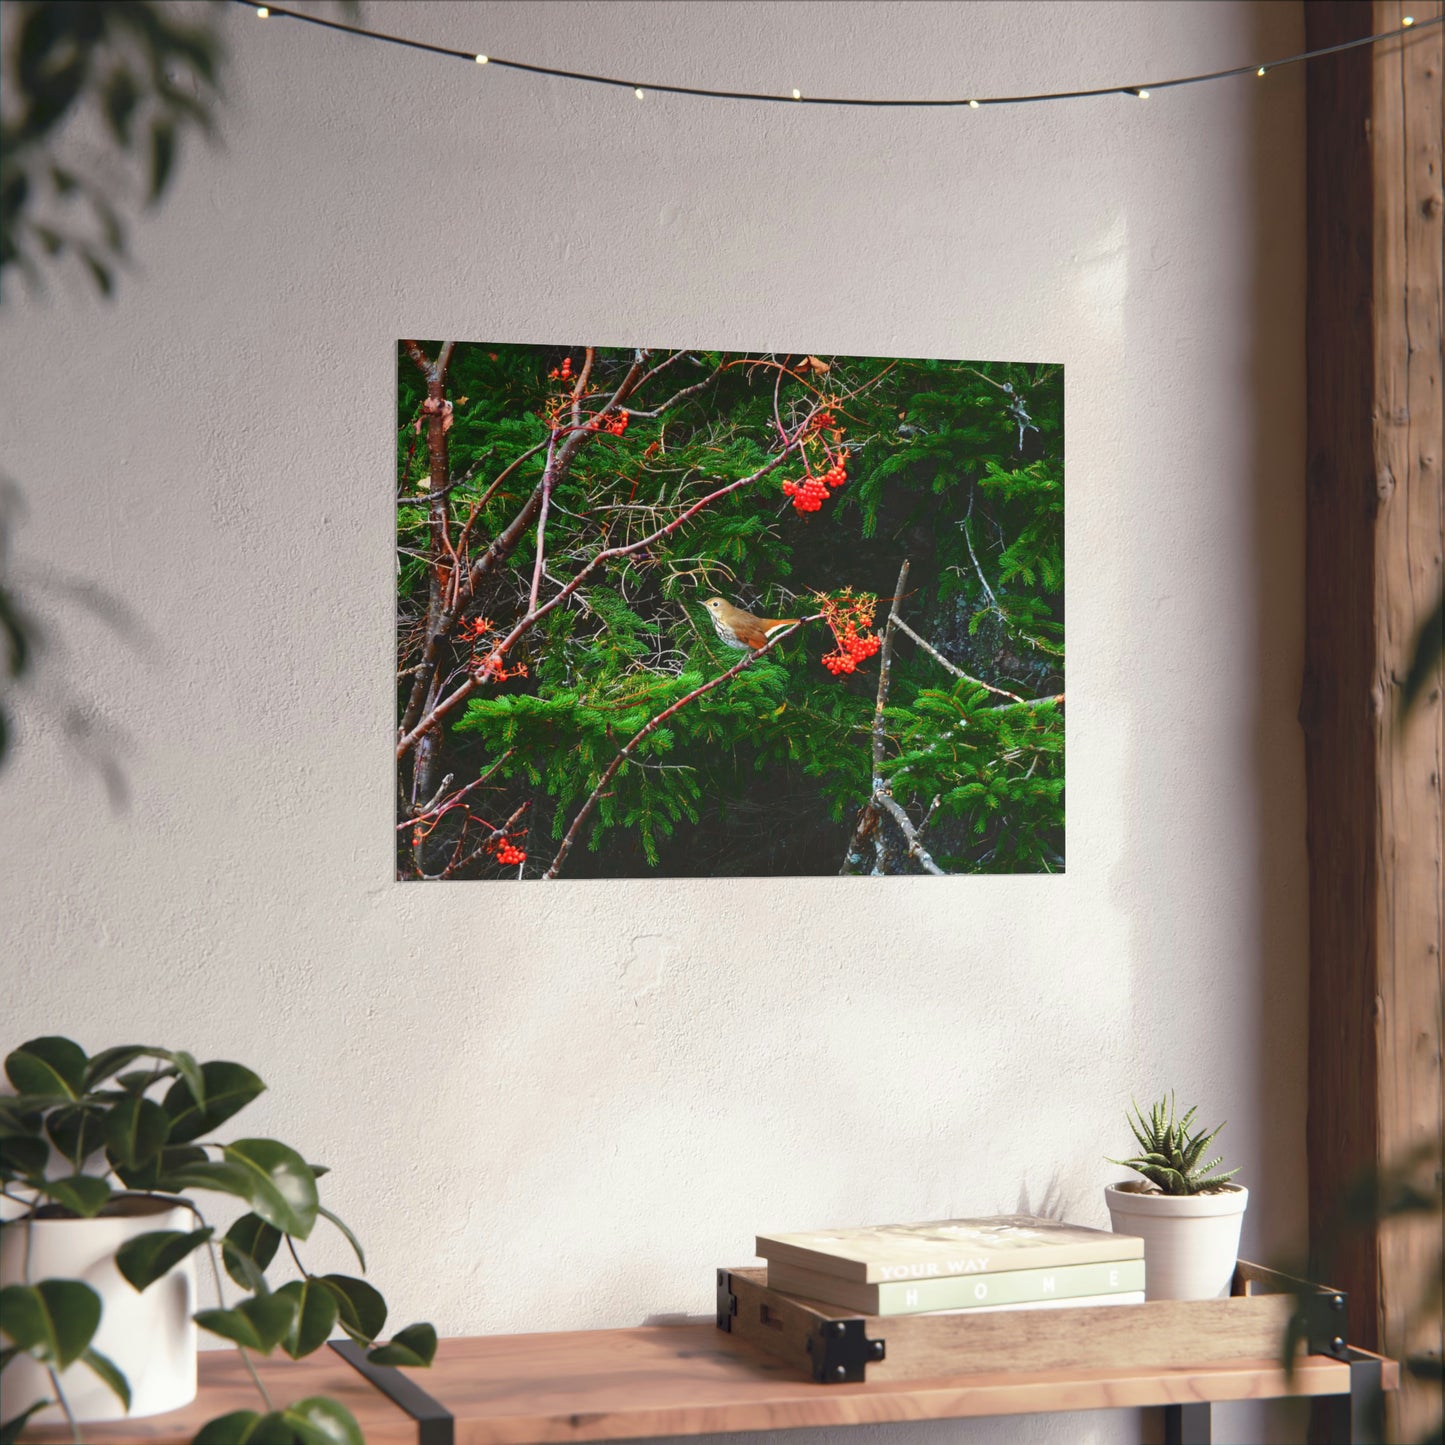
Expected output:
(739, 629)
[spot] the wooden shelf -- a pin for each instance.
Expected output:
(686, 1380)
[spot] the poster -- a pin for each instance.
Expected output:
(671, 613)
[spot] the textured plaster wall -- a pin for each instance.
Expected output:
(560, 1106)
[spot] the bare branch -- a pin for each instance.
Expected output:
(916, 850)
(625, 752)
(938, 657)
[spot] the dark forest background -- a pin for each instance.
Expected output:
(955, 468)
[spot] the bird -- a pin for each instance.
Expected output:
(739, 629)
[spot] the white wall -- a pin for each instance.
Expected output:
(562, 1105)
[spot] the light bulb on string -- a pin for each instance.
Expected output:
(261, 12)
(482, 59)
(1407, 21)
(638, 92)
(797, 95)
(1260, 72)
(973, 105)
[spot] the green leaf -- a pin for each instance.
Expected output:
(156, 1173)
(83, 1193)
(283, 1188)
(106, 1368)
(362, 1310)
(22, 1158)
(227, 1089)
(259, 1323)
(248, 1248)
(11, 1430)
(316, 1312)
(49, 1065)
(319, 1421)
(351, 1239)
(245, 1427)
(135, 1131)
(415, 1345)
(54, 1320)
(75, 1130)
(224, 1178)
(149, 1257)
(111, 1061)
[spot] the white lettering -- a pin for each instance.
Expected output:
(1113, 1279)
(1049, 1284)
(910, 1297)
(980, 1290)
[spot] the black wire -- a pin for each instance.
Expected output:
(280, 13)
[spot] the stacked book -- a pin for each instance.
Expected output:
(1011, 1261)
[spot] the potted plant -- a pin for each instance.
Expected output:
(1187, 1213)
(101, 1232)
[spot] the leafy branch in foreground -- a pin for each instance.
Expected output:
(133, 1122)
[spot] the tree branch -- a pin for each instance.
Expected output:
(938, 657)
(625, 752)
(916, 850)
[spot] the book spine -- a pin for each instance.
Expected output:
(1017, 1286)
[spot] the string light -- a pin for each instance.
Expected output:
(1141, 91)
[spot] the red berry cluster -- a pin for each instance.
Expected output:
(850, 619)
(809, 494)
(509, 855)
(853, 647)
(614, 422)
(563, 372)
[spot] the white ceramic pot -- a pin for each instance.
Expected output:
(1191, 1241)
(150, 1336)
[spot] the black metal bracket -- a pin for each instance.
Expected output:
(727, 1301)
(1323, 1317)
(840, 1351)
(434, 1422)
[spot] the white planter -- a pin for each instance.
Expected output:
(1191, 1241)
(150, 1336)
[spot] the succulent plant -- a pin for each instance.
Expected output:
(1169, 1154)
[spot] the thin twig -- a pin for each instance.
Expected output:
(938, 657)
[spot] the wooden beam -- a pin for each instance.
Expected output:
(1374, 546)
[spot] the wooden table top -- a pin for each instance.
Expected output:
(683, 1380)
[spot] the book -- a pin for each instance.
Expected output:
(960, 1291)
(942, 1247)
(1087, 1301)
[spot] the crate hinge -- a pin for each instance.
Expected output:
(841, 1351)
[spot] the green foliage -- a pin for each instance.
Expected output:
(767, 772)
(97, 1114)
(146, 74)
(1171, 1156)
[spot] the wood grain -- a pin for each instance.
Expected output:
(695, 1379)
(225, 1386)
(1156, 1335)
(1409, 541)
(689, 1380)
(1374, 550)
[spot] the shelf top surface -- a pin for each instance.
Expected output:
(689, 1379)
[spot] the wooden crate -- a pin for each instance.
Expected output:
(837, 1346)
